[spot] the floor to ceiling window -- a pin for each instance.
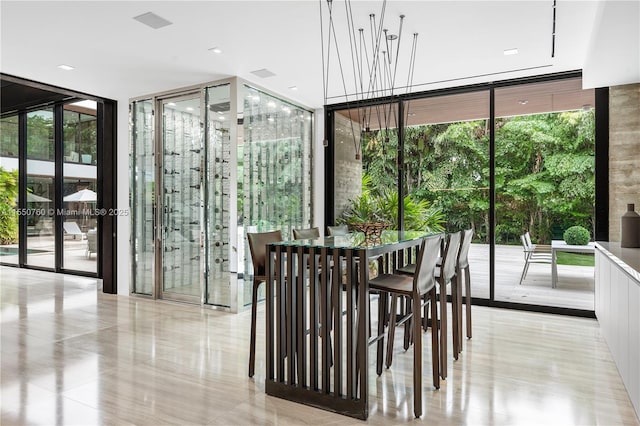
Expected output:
(80, 187)
(9, 142)
(503, 158)
(41, 189)
(52, 145)
(545, 184)
(446, 158)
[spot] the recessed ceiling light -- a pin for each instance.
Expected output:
(523, 101)
(171, 104)
(293, 87)
(215, 50)
(86, 104)
(271, 104)
(511, 52)
(66, 67)
(189, 108)
(152, 20)
(221, 117)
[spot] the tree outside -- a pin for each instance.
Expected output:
(544, 165)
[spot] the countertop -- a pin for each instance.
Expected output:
(628, 259)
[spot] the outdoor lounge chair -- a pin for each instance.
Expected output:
(72, 228)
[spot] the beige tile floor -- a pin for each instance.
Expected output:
(73, 355)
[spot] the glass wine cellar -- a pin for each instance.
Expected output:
(209, 164)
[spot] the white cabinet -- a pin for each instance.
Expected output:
(617, 303)
(633, 372)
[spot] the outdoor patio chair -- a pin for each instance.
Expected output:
(530, 256)
(72, 228)
(92, 243)
(537, 248)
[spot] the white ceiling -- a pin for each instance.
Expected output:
(117, 57)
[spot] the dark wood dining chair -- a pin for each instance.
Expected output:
(445, 275)
(464, 273)
(258, 246)
(423, 282)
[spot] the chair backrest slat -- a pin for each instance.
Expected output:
(424, 277)
(463, 256)
(450, 258)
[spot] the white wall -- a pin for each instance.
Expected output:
(613, 57)
(124, 222)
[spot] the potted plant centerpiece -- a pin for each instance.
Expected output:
(365, 215)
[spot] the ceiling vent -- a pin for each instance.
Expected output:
(221, 107)
(263, 73)
(152, 20)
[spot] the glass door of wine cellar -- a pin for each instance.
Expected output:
(181, 200)
(210, 163)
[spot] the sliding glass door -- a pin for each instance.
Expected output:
(446, 167)
(508, 159)
(182, 199)
(49, 161)
(545, 183)
(40, 190)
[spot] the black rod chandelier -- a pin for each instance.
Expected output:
(371, 61)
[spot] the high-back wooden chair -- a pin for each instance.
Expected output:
(258, 247)
(423, 282)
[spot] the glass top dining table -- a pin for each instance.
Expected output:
(358, 240)
(317, 332)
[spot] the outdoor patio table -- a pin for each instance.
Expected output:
(560, 245)
(316, 342)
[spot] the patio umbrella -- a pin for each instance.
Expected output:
(82, 196)
(33, 198)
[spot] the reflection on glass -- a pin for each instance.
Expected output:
(142, 188)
